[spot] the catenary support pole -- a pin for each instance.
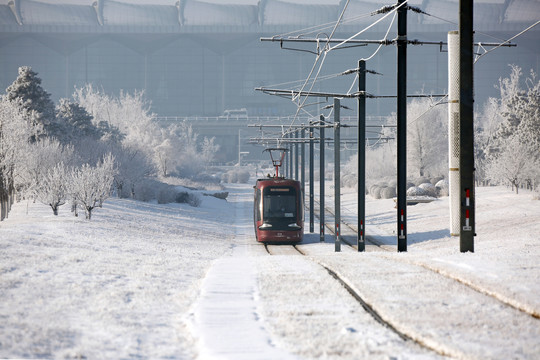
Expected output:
(402, 128)
(321, 179)
(303, 165)
(311, 182)
(291, 157)
(466, 132)
(361, 244)
(337, 180)
(296, 165)
(286, 158)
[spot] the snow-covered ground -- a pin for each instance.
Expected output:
(154, 281)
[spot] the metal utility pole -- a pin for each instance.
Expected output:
(311, 180)
(303, 168)
(291, 148)
(466, 132)
(296, 156)
(337, 180)
(402, 127)
(361, 244)
(321, 179)
(284, 163)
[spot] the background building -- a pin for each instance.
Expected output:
(200, 58)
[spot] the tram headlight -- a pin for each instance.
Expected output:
(294, 226)
(265, 226)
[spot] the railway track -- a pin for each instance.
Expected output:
(499, 297)
(330, 221)
(294, 250)
(378, 308)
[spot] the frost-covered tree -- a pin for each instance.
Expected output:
(15, 133)
(91, 185)
(189, 159)
(380, 159)
(519, 108)
(101, 108)
(486, 124)
(209, 150)
(52, 188)
(512, 150)
(74, 123)
(28, 90)
(128, 127)
(146, 146)
(37, 159)
(164, 158)
(427, 138)
(513, 164)
(133, 167)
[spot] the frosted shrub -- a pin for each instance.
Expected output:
(388, 192)
(416, 191)
(349, 181)
(232, 177)
(375, 191)
(421, 180)
(430, 189)
(442, 186)
(240, 176)
(148, 190)
(185, 197)
(206, 178)
(436, 179)
(166, 195)
(243, 176)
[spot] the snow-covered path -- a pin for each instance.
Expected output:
(226, 316)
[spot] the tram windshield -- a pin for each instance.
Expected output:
(279, 203)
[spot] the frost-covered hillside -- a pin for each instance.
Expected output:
(142, 280)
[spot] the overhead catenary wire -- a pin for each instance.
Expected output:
(368, 27)
(300, 96)
(318, 28)
(506, 41)
(297, 96)
(475, 61)
(325, 52)
(385, 38)
(456, 24)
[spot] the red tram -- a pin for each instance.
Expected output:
(278, 214)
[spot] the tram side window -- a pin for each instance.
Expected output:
(258, 205)
(279, 204)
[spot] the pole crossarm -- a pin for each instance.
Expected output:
(313, 126)
(377, 42)
(354, 95)
(310, 93)
(306, 140)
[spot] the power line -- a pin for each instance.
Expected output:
(506, 41)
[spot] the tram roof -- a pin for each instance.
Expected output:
(243, 16)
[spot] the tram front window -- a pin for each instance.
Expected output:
(279, 204)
